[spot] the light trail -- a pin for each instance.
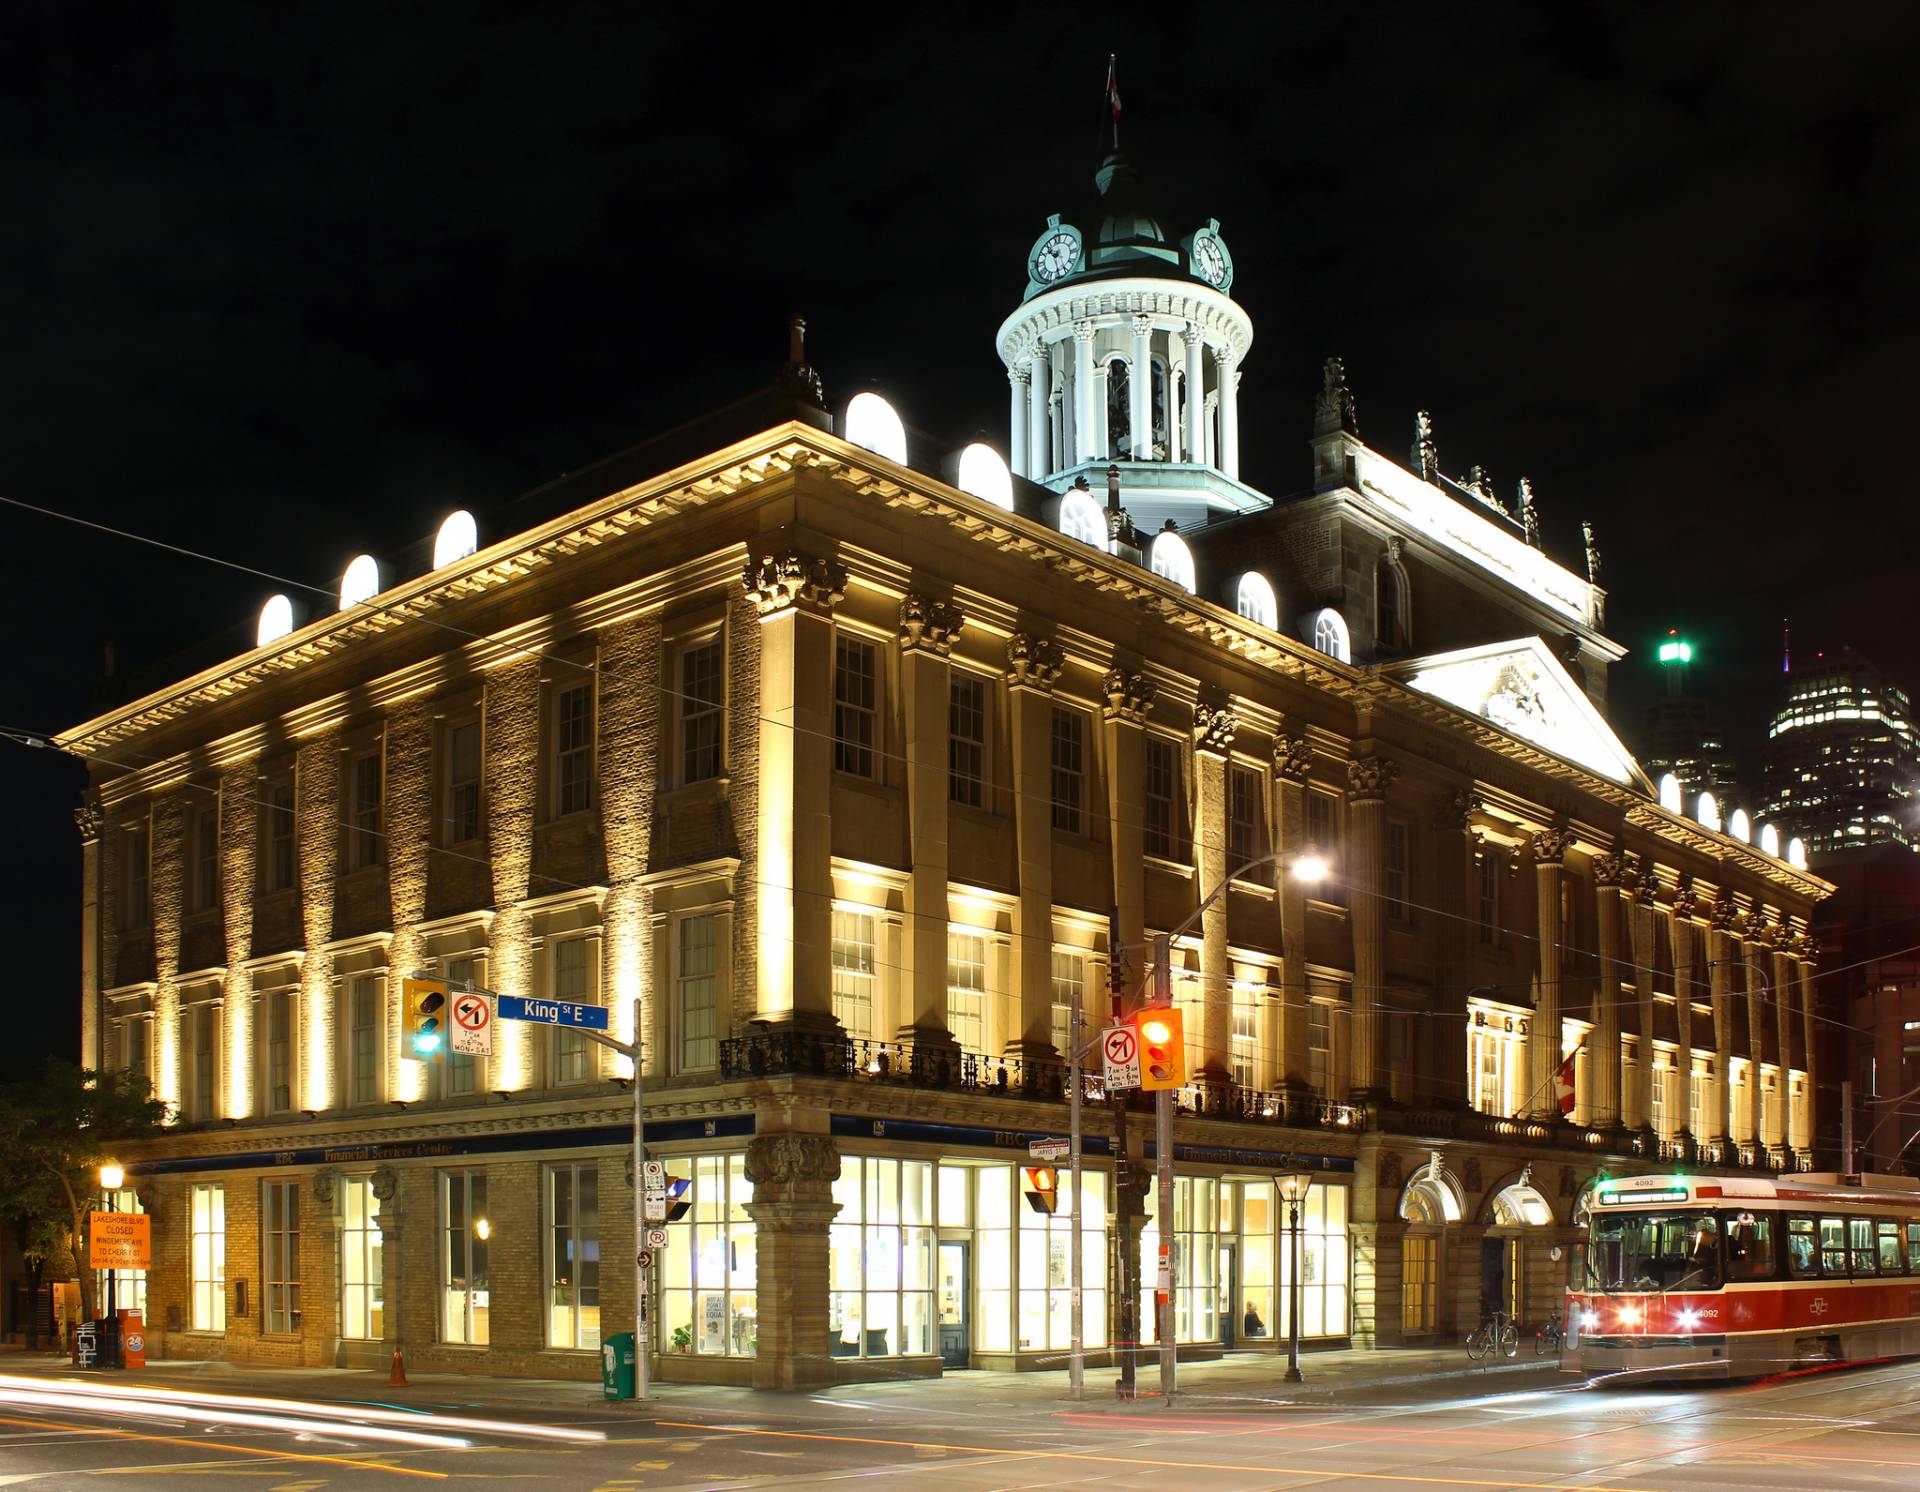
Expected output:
(252, 1452)
(108, 1403)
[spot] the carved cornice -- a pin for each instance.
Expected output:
(927, 625)
(775, 582)
(1213, 729)
(1293, 755)
(88, 819)
(1369, 777)
(1129, 696)
(1550, 845)
(1032, 662)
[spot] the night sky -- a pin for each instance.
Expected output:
(281, 286)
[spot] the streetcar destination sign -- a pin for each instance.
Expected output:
(552, 1012)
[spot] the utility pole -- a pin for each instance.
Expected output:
(1077, 1356)
(642, 1348)
(1163, 1164)
(1846, 1128)
(1127, 1317)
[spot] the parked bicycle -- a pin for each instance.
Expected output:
(1495, 1334)
(1550, 1338)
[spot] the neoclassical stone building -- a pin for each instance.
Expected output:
(860, 769)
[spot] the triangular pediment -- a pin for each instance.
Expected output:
(1522, 689)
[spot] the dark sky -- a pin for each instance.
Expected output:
(287, 282)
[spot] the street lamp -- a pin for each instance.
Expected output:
(1293, 1187)
(112, 1177)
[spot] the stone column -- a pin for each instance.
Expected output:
(1129, 699)
(1459, 845)
(794, 594)
(1292, 767)
(320, 1271)
(1687, 975)
(1780, 961)
(1549, 866)
(1640, 1102)
(1017, 377)
(1804, 951)
(1368, 779)
(792, 1207)
(1033, 665)
(1196, 442)
(1140, 393)
(1087, 442)
(1039, 451)
(927, 630)
(1227, 368)
(1213, 731)
(1609, 871)
(1720, 960)
(1754, 978)
(93, 1045)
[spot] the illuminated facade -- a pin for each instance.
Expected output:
(847, 775)
(1842, 761)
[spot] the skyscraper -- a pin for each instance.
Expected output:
(1679, 735)
(1841, 757)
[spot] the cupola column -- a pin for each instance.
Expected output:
(1086, 414)
(1196, 393)
(1017, 417)
(1140, 392)
(1039, 448)
(1228, 370)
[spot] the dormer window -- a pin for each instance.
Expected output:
(1172, 560)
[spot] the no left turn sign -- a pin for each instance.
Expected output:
(1120, 1052)
(472, 1031)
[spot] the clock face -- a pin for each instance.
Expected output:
(1210, 260)
(1056, 256)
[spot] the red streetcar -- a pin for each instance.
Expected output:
(1732, 1277)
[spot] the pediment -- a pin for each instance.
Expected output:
(1522, 689)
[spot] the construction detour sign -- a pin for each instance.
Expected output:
(120, 1240)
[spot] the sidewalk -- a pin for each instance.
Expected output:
(1246, 1379)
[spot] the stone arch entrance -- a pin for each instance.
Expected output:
(1516, 1262)
(1430, 1201)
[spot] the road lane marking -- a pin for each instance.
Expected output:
(252, 1451)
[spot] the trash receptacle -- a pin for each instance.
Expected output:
(616, 1366)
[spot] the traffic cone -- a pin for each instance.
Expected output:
(398, 1377)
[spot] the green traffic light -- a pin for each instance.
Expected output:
(427, 1041)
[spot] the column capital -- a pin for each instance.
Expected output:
(1369, 777)
(1722, 914)
(1083, 330)
(1462, 804)
(1612, 871)
(1223, 355)
(386, 1183)
(1017, 372)
(1292, 755)
(1129, 696)
(1142, 325)
(88, 819)
(1646, 882)
(1550, 846)
(777, 582)
(784, 1159)
(1192, 335)
(927, 625)
(1686, 904)
(1213, 729)
(323, 1185)
(1032, 662)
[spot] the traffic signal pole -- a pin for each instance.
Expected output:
(1077, 1354)
(1163, 1164)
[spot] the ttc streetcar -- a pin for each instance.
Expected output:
(1730, 1277)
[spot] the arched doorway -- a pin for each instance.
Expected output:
(1431, 1199)
(1520, 1223)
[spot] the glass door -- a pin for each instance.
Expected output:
(951, 1305)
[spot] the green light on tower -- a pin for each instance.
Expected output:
(1676, 650)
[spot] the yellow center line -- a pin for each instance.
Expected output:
(259, 1452)
(1004, 1450)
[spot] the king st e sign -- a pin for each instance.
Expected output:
(552, 1012)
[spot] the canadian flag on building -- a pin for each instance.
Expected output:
(1563, 1080)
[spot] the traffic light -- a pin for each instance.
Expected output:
(425, 1001)
(1163, 1048)
(1043, 1189)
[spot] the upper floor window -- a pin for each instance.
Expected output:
(463, 1068)
(853, 972)
(855, 704)
(1399, 871)
(1328, 629)
(1084, 519)
(280, 1016)
(1486, 896)
(1069, 761)
(1172, 560)
(1162, 797)
(363, 1052)
(139, 871)
(1254, 599)
(696, 992)
(572, 749)
(1245, 841)
(967, 990)
(364, 809)
(279, 858)
(966, 738)
(1323, 835)
(570, 983)
(202, 1031)
(463, 781)
(1389, 606)
(1069, 978)
(206, 858)
(702, 669)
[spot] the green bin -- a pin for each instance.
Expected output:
(616, 1366)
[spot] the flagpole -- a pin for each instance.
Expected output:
(1527, 1107)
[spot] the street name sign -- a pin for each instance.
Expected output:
(471, 1034)
(1120, 1053)
(1050, 1149)
(553, 1012)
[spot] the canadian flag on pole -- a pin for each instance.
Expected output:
(1563, 1080)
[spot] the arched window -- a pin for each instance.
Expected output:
(1707, 810)
(360, 583)
(1254, 599)
(1797, 853)
(276, 621)
(1157, 414)
(1521, 1206)
(1119, 409)
(458, 538)
(1084, 519)
(1171, 558)
(1670, 793)
(1389, 605)
(1770, 841)
(1739, 826)
(985, 475)
(871, 422)
(1327, 630)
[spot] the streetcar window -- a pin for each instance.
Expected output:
(1913, 1247)
(1888, 1236)
(1749, 1246)
(1860, 1244)
(1654, 1251)
(1833, 1246)
(1801, 1263)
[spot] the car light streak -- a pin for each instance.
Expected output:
(250, 1452)
(99, 1402)
(343, 1413)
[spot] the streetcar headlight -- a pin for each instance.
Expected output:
(1589, 1318)
(1689, 1319)
(1630, 1315)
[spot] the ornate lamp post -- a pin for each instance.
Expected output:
(1293, 1187)
(112, 1177)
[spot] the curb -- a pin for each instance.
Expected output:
(1289, 1392)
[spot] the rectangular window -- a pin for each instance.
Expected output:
(709, 1301)
(280, 827)
(1069, 768)
(364, 1040)
(880, 1259)
(462, 1067)
(967, 990)
(1860, 1246)
(1486, 896)
(1069, 975)
(1245, 841)
(570, 1064)
(280, 1272)
(702, 672)
(364, 810)
(1244, 1045)
(1320, 1046)
(133, 1045)
(463, 1260)
(1892, 1256)
(573, 1261)
(207, 1258)
(855, 705)
(967, 739)
(1419, 1301)
(1697, 1103)
(1657, 1081)
(362, 1278)
(139, 869)
(1913, 1248)
(1802, 1255)
(572, 749)
(853, 973)
(203, 1024)
(1750, 1246)
(206, 859)
(1162, 788)
(1833, 1246)
(463, 782)
(280, 1032)
(1323, 835)
(697, 994)
(1399, 871)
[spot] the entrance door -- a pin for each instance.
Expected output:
(1229, 1297)
(953, 1297)
(1493, 1276)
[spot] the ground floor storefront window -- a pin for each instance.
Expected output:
(880, 1271)
(1195, 1260)
(709, 1303)
(1024, 1299)
(466, 1299)
(1266, 1261)
(1323, 1262)
(362, 1282)
(1419, 1270)
(573, 1256)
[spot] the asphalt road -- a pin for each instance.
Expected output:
(1852, 1428)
